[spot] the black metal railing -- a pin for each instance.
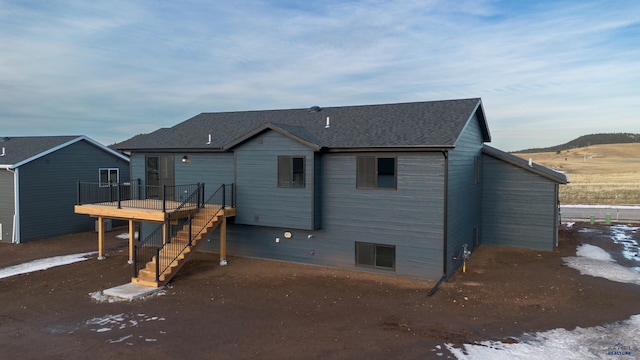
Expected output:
(167, 246)
(134, 195)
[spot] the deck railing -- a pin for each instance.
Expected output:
(133, 194)
(158, 241)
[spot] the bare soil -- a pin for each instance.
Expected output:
(260, 309)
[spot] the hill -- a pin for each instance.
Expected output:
(588, 140)
(604, 174)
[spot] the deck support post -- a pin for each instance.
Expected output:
(223, 240)
(165, 232)
(101, 238)
(132, 239)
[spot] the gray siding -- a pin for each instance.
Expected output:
(519, 207)
(259, 199)
(48, 189)
(137, 167)
(212, 169)
(464, 195)
(410, 218)
(7, 205)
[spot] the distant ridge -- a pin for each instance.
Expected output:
(588, 140)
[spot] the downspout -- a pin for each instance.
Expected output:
(15, 236)
(444, 221)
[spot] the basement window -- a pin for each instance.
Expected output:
(109, 176)
(291, 171)
(375, 255)
(375, 172)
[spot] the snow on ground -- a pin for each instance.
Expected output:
(125, 236)
(603, 206)
(619, 340)
(43, 264)
(124, 323)
(613, 341)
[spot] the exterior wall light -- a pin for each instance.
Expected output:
(185, 159)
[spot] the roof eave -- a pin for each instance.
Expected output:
(394, 148)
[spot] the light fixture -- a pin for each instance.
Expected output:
(185, 159)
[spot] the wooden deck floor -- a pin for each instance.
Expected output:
(141, 210)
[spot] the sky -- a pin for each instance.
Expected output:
(547, 71)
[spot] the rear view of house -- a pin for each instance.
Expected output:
(38, 183)
(394, 188)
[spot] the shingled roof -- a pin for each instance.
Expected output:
(417, 124)
(550, 174)
(19, 150)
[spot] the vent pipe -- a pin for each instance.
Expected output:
(209, 142)
(3, 152)
(327, 125)
(530, 162)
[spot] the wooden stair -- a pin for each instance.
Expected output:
(178, 245)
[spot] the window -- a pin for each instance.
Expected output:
(375, 172)
(109, 176)
(291, 171)
(375, 255)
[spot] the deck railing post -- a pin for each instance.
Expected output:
(139, 189)
(224, 198)
(78, 202)
(135, 262)
(119, 197)
(190, 231)
(164, 196)
(157, 264)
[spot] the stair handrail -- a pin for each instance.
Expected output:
(189, 223)
(198, 192)
(202, 206)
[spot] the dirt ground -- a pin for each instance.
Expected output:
(259, 309)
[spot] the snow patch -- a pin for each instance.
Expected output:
(620, 235)
(118, 322)
(619, 340)
(125, 236)
(593, 252)
(43, 264)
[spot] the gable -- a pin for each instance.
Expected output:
(22, 150)
(297, 134)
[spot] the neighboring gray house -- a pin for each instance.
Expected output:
(399, 188)
(38, 183)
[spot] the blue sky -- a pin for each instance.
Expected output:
(547, 71)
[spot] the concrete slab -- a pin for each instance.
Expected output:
(131, 291)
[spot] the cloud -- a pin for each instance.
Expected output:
(107, 68)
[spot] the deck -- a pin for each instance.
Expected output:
(124, 202)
